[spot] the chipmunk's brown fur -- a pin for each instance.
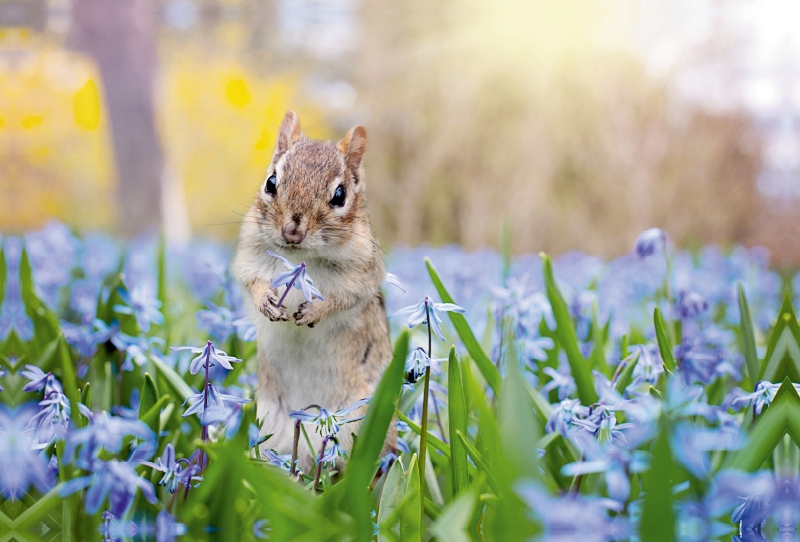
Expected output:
(342, 358)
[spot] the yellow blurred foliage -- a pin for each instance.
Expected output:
(86, 104)
(48, 166)
(218, 123)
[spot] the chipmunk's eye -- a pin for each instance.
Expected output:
(272, 185)
(338, 197)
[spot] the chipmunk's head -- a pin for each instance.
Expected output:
(312, 198)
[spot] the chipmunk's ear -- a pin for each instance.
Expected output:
(353, 145)
(288, 134)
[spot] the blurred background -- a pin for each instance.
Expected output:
(578, 123)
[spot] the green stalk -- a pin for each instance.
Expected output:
(423, 438)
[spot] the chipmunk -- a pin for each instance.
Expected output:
(332, 352)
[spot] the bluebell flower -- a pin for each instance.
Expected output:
(419, 314)
(245, 329)
(219, 409)
(564, 416)
(13, 316)
(328, 423)
(21, 465)
(332, 452)
(690, 445)
(296, 277)
(615, 464)
(39, 380)
(176, 471)
(282, 461)
(262, 529)
(2, 374)
(562, 381)
(417, 362)
(83, 298)
(52, 420)
(142, 306)
(52, 253)
(690, 304)
(210, 354)
(107, 433)
(392, 279)
(649, 241)
(218, 321)
(648, 368)
(113, 530)
(762, 396)
(572, 517)
(534, 347)
(114, 479)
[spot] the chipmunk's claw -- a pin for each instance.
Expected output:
(306, 314)
(269, 307)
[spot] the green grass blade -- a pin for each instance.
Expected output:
(748, 339)
(410, 527)
(479, 461)
(453, 522)
(664, 343)
(149, 394)
(394, 490)
(658, 521)
(485, 365)
(432, 440)
(565, 333)
(372, 436)
(181, 388)
(458, 422)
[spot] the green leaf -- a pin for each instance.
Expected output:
(179, 386)
(152, 416)
(68, 380)
(455, 518)
(372, 435)
(565, 333)
(432, 440)
(658, 521)
(519, 428)
(394, 489)
(45, 323)
(748, 339)
(457, 417)
(783, 347)
(162, 271)
(781, 417)
(410, 528)
(149, 394)
(664, 344)
(479, 461)
(485, 365)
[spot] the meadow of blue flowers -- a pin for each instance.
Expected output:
(646, 398)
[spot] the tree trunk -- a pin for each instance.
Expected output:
(121, 37)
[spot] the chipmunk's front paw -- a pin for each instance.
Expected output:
(268, 305)
(308, 314)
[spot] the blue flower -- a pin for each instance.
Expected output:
(107, 433)
(534, 347)
(327, 422)
(417, 362)
(649, 241)
(21, 465)
(114, 479)
(218, 321)
(2, 374)
(174, 470)
(296, 277)
(690, 304)
(282, 461)
(219, 409)
(564, 416)
(261, 529)
(419, 314)
(144, 308)
(207, 354)
(562, 381)
(648, 368)
(762, 396)
(39, 380)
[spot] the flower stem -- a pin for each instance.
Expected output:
(295, 445)
(319, 462)
(423, 438)
(204, 431)
(291, 282)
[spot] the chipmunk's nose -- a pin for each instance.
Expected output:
(293, 233)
